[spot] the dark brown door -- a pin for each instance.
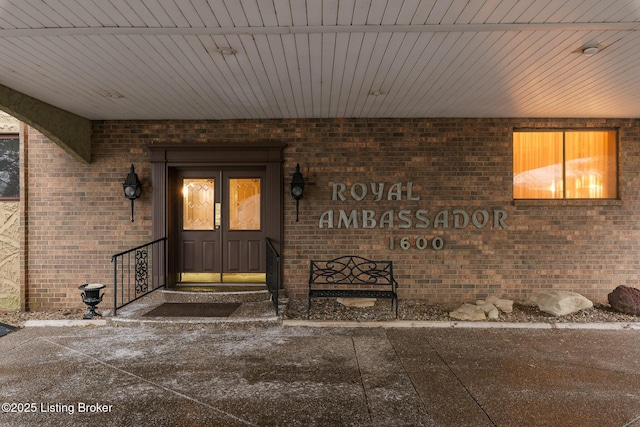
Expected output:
(222, 227)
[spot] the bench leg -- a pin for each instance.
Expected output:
(309, 309)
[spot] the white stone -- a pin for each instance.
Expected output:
(357, 302)
(468, 312)
(560, 303)
(489, 309)
(493, 314)
(504, 305)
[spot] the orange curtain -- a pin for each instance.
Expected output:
(590, 165)
(588, 170)
(537, 165)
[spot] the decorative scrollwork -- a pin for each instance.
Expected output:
(352, 270)
(142, 271)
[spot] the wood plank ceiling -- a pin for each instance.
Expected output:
(166, 59)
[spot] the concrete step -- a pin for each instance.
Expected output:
(256, 307)
(248, 314)
(190, 294)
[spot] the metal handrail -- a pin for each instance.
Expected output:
(273, 272)
(136, 248)
(149, 262)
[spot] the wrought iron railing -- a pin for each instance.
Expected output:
(273, 272)
(138, 272)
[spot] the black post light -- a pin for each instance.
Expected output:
(132, 187)
(297, 187)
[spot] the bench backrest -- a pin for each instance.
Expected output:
(351, 270)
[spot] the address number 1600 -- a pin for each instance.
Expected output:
(421, 243)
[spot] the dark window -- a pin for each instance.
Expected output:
(9, 166)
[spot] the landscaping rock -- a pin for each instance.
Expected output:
(468, 312)
(625, 299)
(489, 309)
(504, 305)
(357, 302)
(560, 303)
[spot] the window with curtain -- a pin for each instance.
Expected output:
(565, 165)
(9, 166)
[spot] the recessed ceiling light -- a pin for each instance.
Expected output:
(377, 92)
(590, 50)
(114, 95)
(226, 51)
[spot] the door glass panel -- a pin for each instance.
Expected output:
(244, 204)
(198, 204)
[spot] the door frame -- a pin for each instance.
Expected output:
(164, 157)
(249, 244)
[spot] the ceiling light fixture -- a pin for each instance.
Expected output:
(590, 50)
(114, 95)
(376, 92)
(226, 51)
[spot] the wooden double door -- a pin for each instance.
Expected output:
(219, 215)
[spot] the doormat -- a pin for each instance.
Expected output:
(172, 309)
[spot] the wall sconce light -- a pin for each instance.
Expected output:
(132, 187)
(297, 187)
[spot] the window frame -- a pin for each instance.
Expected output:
(564, 199)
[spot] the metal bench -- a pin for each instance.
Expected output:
(352, 277)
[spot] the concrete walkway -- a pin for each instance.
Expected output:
(230, 375)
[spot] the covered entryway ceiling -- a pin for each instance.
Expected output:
(239, 59)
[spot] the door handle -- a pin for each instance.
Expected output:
(217, 219)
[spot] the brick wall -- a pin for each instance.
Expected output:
(78, 217)
(584, 246)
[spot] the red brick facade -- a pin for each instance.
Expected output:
(77, 217)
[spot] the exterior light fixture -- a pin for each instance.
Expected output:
(590, 50)
(132, 187)
(226, 51)
(114, 95)
(297, 187)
